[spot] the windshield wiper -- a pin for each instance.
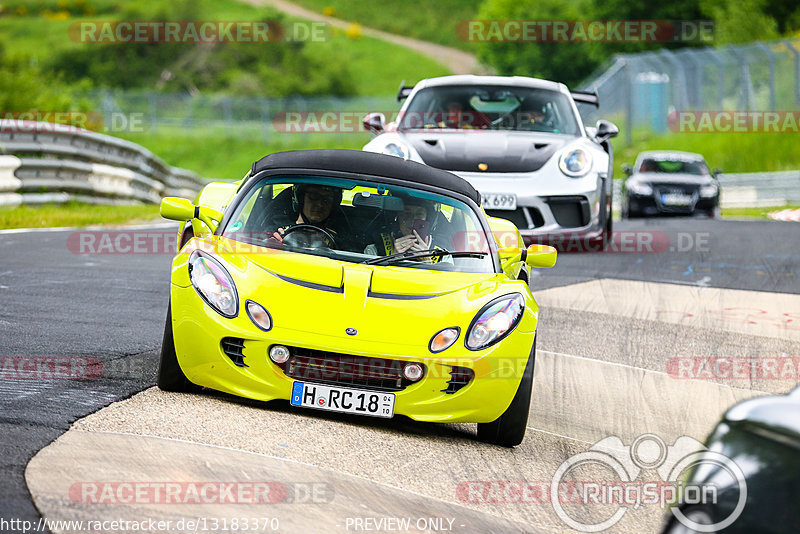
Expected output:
(414, 254)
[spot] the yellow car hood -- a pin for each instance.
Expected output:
(383, 303)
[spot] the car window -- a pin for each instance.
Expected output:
(675, 166)
(472, 107)
(356, 221)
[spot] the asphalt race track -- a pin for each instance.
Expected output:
(614, 328)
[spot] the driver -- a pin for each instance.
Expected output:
(311, 204)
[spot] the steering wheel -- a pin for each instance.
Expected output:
(328, 240)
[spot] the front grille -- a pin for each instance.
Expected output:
(345, 369)
(233, 348)
(516, 216)
(459, 377)
(519, 218)
(570, 212)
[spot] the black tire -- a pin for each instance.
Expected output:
(608, 231)
(508, 430)
(170, 375)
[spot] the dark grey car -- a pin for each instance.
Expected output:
(670, 182)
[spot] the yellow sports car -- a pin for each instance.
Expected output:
(354, 282)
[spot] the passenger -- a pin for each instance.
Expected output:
(411, 229)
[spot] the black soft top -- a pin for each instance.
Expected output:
(369, 163)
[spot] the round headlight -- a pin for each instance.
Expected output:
(495, 321)
(396, 149)
(575, 163)
(213, 283)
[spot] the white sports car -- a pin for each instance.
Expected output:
(520, 142)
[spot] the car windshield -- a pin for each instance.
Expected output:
(490, 107)
(361, 222)
(674, 166)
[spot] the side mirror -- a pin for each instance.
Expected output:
(543, 256)
(180, 209)
(627, 169)
(374, 122)
(716, 172)
(605, 131)
(177, 209)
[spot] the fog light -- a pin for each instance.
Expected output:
(412, 371)
(279, 354)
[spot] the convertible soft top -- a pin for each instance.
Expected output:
(366, 163)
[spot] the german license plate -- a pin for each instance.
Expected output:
(676, 199)
(346, 400)
(499, 201)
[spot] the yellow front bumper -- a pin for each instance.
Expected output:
(198, 331)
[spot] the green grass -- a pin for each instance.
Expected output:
(752, 213)
(216, 155)
(377, 67)
(435, 21)
(74, 214)
(736, 152)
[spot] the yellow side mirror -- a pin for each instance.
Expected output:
(177, 209)
(180, 209)
(543, 256)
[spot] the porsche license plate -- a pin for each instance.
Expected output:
(336, 399)
(499, 201)
(676, 199)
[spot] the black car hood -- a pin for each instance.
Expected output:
(501, 151)
(672, 178)
(778, 413)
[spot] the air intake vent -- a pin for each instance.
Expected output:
(346, 370)
(233, 347)
(459, 377)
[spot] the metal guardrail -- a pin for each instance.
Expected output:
(749, 190)
(44, 162)
(760, 189)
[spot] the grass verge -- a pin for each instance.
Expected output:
(74, 214)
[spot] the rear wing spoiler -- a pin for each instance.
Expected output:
(403, 92)
(586, 97)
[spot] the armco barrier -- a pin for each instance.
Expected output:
(44, 162)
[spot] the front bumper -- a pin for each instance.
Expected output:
(198, 332)
(652, 205)
(549, 209)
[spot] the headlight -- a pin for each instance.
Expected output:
(640, 188)
(575, 163)
(213, 283)
(495, 321)
(709, 190)
(396, 149)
